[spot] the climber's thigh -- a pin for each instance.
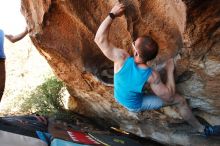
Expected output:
(151, 102)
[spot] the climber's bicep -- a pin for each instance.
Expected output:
(113, 53)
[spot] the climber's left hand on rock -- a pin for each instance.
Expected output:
(118, 9)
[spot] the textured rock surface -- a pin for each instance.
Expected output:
(63, 32)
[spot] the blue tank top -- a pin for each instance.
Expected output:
(129, 83)
(2, 54)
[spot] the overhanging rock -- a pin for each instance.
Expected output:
(63, 32)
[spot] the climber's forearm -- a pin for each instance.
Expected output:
(171, 82)
(15, 38)
(102, 34)
(102, 40)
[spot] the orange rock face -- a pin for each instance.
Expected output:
(64, 30)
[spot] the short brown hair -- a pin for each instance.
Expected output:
(148, 49)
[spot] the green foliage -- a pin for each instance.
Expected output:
(45, 99)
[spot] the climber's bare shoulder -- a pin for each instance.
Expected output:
(113, 53)
(120, 57)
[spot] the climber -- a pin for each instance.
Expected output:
(133, 74)
(12, 39)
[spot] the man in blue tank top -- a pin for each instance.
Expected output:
(11, 38)
(133, 74)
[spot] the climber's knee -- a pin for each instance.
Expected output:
(180, 100)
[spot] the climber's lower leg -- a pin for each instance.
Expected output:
(186, 113)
